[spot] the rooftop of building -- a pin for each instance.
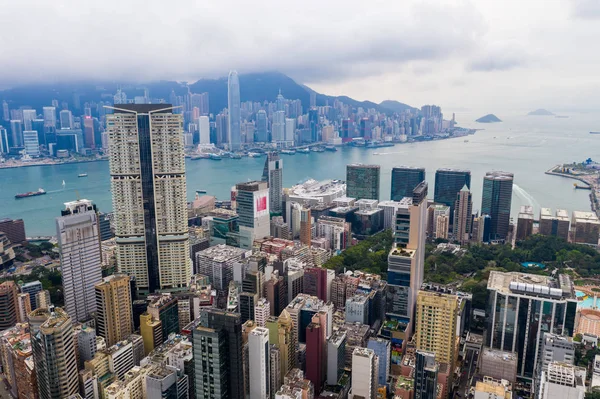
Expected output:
(533, 285)
(363, 352)
(404, 167)
(314, 188)
(222, 253)
(159, 300)
(362, 165)
(142, 108)
(528, 209)
(499, 175)
(403, 252)
(252, 186)
(585, 217)
(493, 354)
(19, 339)
(499, 388)
(405, 202)
(54, 317)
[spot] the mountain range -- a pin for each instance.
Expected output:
(256, 87)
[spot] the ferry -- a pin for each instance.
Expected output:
(199, 156)
(253, 154)
(215, 157)
(303, 150)
(379, 144)
(288, 152)
(330, 148)
(40, 191)
(317, 149)
(82, 175)
(236, 156)
(201, 191)
(594, 132)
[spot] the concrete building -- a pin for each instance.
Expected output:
(17, 362)
(151, 331)
(273, 175)
(163, 307)
(31, 143)
(305, 226)
(32, 288)
(313, 192)
(336, 231)
(217, 263)
(442, 227)
(498, 364)
(436, 325)
(525, 222)
(253, 210)
(363, 181)
(558, 225)
(54, 353)
(434, 211)
(316, 362)
(81, 257)
(114, 318)
(336, 354)
(556, 348)
(491, 388)
(262, 311)
(357, 309)
(518, 302)
(364, 374)
(153, 248)
(585, 228)
(562, 380)
(258, 343)
(87, 344)
(463, 212)
(9, 307)
(14, 229)
(23, 307)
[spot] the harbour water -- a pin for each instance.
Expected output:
(524, 145)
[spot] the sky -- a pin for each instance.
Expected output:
(478, 55)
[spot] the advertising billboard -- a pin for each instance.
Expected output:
(261, 203)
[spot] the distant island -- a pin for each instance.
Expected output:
(541, 112)
(489, 118)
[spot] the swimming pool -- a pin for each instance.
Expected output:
(587, 303)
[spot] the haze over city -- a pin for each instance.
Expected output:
(468, 55)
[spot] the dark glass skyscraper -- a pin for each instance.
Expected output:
(448, 183)
(218, 355)
(362, 181)
(404, 181)
(261, 127)
(234, 113)
(496, 200)
(426, 371)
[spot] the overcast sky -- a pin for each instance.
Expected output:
(474, 55)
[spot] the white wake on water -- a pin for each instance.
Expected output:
(526, 196)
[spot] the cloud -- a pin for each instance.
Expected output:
(502, 57)
(585, 9)
(311, 40)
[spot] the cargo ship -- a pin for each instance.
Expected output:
(31, 194)
(594, 132)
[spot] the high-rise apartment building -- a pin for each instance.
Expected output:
(81, 257)
(364, 373)
(518, 304)
(164, 307)
(496, 201)
(305, 226)
(16, 133)
(525, 222)
(262, 135)
(562, 380)
(436, 325)
(9, 307)
(382, 349)
(66, 119)
(31, 143)
(336, 353)
(426, 375)
(557, 225)
(463, 211)
(220, 375)
(147, 168)
(49, 118)
(114, 318)
(273, 175)
(253, 210)
(233, 105)
(585, 228)
(260, 365)
(315, 353)
(54, 353)
(404, 181)
(32, 288)
(14, 229)
(23, 307)
(362, 181)
(448, 183)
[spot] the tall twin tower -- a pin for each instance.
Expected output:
(147, 173)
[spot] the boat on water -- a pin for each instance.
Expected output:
(318, 149)
(561, 116)
(199, 156)
(379, 144)
(40, 191)
(253, 154)
(594, 132)
(579, 187)
(330, 148)
(201, 191)
(82, 175)
(466, 141)
(303, 150)
(288, 152)
(215, 157)
(235, 156)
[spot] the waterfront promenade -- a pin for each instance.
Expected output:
(591, 179)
